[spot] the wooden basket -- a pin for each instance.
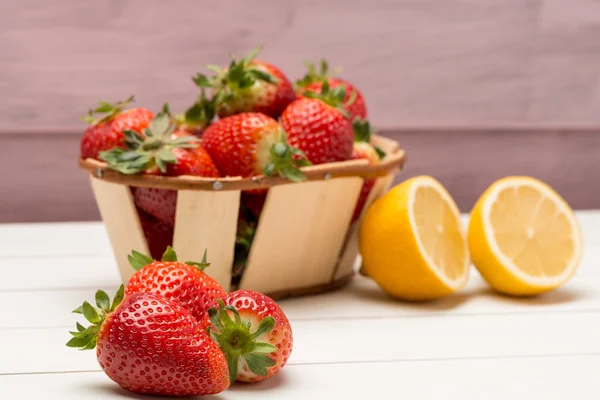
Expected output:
(304, 242)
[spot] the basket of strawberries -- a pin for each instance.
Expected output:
(271, 176)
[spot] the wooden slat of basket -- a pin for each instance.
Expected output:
(207, 220)
(387, 145)
(300, 234)
(348, 257)
(392, 162)
(121, 221)
(350, 251)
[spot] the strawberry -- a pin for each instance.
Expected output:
(364, 150)
(248, 85)
(353, 102)
(162, 150)
(158, 234)
(184, 283)
(107, 132)
(258, 341)
(159, 203)
(153, 150)
(318, 126)
(196, 118)
(254, 201)
(162, 203)
(246, 229)
(149, 344)
(251, 144)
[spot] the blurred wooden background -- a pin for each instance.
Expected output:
(473, 89)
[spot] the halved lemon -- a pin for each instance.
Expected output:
(523, 237)
(412, 241)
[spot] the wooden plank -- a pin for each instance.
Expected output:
(465, 160)
(208, 220)
(300, 233)
(348, 256)
(121, 221)
(427, 338)
(87, 239)
(362, 299)
(59, 273)
(542, 378)
(90, 238)
(459, 63)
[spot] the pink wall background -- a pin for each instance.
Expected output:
(531, 65)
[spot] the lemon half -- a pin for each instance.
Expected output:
(412, 241)
(523, 237)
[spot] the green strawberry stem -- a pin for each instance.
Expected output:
(152, 149)
(362, 133)
(362, 130)
(236, 340)
(227, 84)
(198, 115)
(86, 338)
(316, 76)
(138, 260)
(246, 230)
(106, 110)
(286, 160)
(333, 97)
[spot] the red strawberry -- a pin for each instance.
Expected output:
(158, 234)
(107, 132)
(149, 344)
(251, 144)
(319, 127)
(159, 203)
(364, 150)
(196, 118)
(254, 201)
(246, 229)
(249, 85)
(162, 203)
(353, 102)
(258, 341)
(184, 283)
(164, 151)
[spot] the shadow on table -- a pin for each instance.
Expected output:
(272, 383)
(117, 392)
(563, 295)
(559, 296)
(374, 294)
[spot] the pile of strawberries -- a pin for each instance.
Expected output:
(174, 331)
(254, 122)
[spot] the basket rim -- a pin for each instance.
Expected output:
(393, 162)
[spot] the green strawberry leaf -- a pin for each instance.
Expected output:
(118, 298)
(258, 363)
(90, 313)
(232, 364)
(138, 260)
(264, 348)
(265, 326)
(169, 255)
(78, 342)
(102, 300)
(202, 265)
(202, 81)
(262, 76)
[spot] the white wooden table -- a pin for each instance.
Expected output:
(355, 343)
